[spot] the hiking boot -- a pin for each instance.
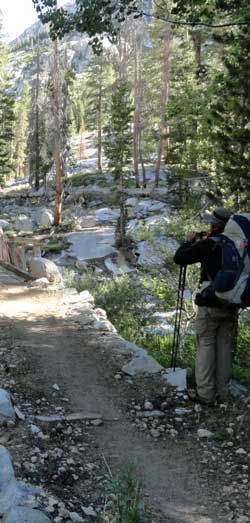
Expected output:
(195, 398)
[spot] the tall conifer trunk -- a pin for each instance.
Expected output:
(99, 119)
(37, 118)
(57, 152)
(165, 93)
(137, 104)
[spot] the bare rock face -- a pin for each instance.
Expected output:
(7, 412)
(6, 469)
(25, 515)
(41, 283)
(43, 268)
(23, 223)
(13, 493)
(5, 225)
(45, 218)
(142, 363)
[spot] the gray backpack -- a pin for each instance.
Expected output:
(231, 285)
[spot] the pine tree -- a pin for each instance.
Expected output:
(118, 139)
(231, 116)
(20, 138)
(7, 118)
(118, 145)
(99, 78)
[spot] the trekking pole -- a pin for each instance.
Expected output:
(177, 326)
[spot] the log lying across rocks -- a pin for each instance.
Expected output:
(19, 272)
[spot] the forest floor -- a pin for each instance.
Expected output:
(53, 365)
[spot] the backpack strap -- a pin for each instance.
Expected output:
(217, 241)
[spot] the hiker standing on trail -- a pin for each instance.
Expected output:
(216, 324)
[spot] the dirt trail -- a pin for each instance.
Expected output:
(76, 359)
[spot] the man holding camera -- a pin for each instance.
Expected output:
(216, 325)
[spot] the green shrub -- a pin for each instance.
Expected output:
(89, 178)
(241, 367)
(125, 499)
(55, 247)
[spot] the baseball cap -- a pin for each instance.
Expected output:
(219, 216)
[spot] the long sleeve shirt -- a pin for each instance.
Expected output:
(206, 252)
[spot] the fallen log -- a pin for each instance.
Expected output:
(19, 272)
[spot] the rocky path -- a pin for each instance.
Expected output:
(64, 347)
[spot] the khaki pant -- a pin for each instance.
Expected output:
(216, 331)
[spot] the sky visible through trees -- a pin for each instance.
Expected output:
(17, 16)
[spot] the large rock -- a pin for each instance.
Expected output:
(41, 283)
(147, 205)
(86, 222)
(90, 245)
(177, 378)
(156, 220)
(43, 268)
(142, 363)
(133, 229)
(7, 412)
(44, 218)
(5, 225)
(154, 254)
(13, 493)
(23, 223)
(107, 215)
(6, 469)
(25, 515)
(119, 267)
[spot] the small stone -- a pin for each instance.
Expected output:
(242, 519)
(204, 433)
(56, 387)
(155, 433)
(241, 452)
(76, 518)
(96, 422)
(148, 405)
(34, 429)
(19, 414)
(182, 411)
(89, 511)
(150, 414)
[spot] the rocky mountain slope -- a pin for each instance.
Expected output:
(74, 51)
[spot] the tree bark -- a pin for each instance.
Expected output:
(37, 137)
(165, 93)
(136, 111)
(83, 148)
(57, 153)
(99, 120)
(144, 178)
